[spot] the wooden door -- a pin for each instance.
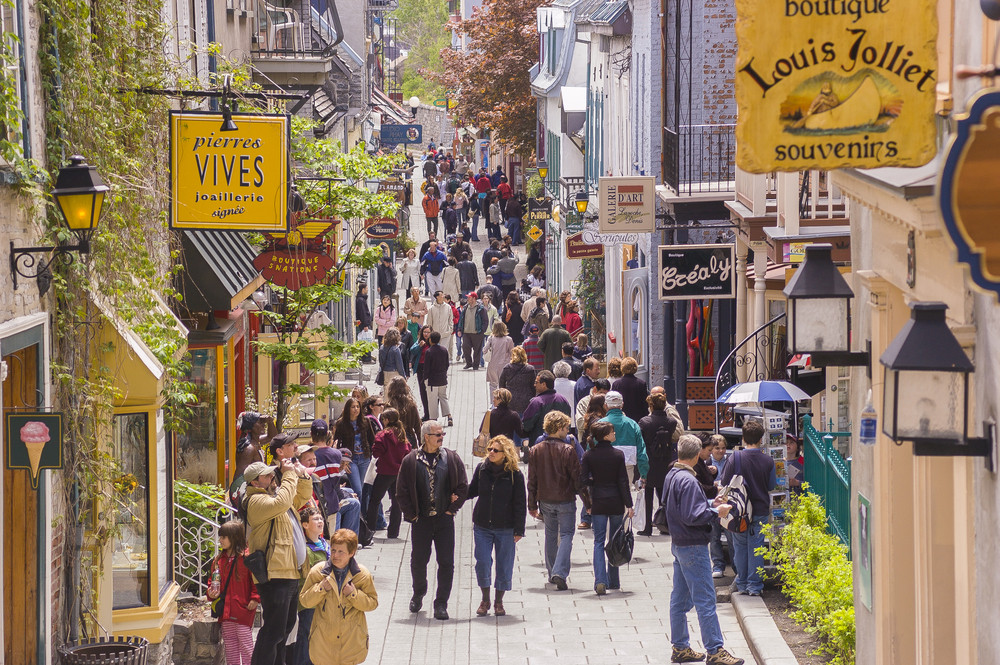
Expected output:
(20, 524)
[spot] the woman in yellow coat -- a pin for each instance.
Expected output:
(342, 591)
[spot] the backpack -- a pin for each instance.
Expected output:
(662, 446)
(740, 515)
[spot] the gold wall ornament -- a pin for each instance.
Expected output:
(825, 84)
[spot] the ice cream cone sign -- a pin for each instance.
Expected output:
(34, 442)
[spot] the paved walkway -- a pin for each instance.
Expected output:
(542, 625)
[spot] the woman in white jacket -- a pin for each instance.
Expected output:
(452, 283)
(409, 272)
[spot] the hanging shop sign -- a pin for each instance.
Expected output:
(697, 271)
(627, 205)
(397, 187)
(382, 227)
(231, 181)
(301, 257)
(968, 192)
(825, 84)
(535, 233)
(593, 236)
(577, 248)
(34, 442)
(539, 210)
(401, 134)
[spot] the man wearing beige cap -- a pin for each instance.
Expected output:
(274, 529)
(551, 341)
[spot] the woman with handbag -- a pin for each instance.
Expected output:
(603, 472)
(498, 519)
(391, 446)
(501, 420)
(390, 359)
(235, 601)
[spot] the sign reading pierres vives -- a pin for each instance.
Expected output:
(627, 205)
(824, 84)
(697, 271)
(33, 442)
(230, 181)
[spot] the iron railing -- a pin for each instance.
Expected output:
(762, 356)
(828, 475)
(700, 158)
(196, 539)
(296, 29)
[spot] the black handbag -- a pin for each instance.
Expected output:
(660, 520)
(619, 548)
(256, 561)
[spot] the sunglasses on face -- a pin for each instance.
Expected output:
(494, 450)
(439, 435)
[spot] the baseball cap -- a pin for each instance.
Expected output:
(303, 449)
(533, 328)
(472, 295)
(319, 426)
(258, 469)
(614, 400)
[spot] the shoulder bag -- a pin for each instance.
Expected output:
(256, 561)
(619, 548)
(480, 442)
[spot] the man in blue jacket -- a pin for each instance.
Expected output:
(690, 517)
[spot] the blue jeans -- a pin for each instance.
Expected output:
(560, 524)
(693, 587)
(486, 541)
(717, 549)
(745, 560)
(349, 515)
(475, 225)
(302, 638)
(604, 527)
(514, 230)
(359, 467)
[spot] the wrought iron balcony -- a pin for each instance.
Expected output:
(699, 158)
(296, 29)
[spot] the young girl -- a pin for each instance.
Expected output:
(582, 350)
(317, 549)
(241, 598)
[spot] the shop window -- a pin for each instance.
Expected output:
(130, 562)
(197, 449)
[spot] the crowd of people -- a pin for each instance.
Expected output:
(583, 429)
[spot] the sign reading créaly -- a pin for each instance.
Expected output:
(627, 205)
(235, 180)
(697, 271)
(824, 84)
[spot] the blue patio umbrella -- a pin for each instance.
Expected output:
(762, 391)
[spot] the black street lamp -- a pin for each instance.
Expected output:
(926, 390)
(543, 169)
(79, 193)
(582, 199)
(819, 311)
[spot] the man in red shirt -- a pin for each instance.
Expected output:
(504, 192)
(431, 208)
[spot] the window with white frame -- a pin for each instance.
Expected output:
(12, 106)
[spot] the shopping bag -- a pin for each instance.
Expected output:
(619, 548)
(639, 521)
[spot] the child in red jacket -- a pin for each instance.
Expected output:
(233, 585)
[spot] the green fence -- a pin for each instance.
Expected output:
(829, 477)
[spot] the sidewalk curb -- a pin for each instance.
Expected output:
(762, 634)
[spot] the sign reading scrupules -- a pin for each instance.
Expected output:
(234, 180)
(824, 84)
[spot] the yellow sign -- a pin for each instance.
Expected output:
(824, 84)
(534, 233)
(234, 180)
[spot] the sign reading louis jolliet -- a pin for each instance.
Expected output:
(697, 271)
(824, 84)
(627, 205)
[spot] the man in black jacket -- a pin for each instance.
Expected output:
(386, 274)
(436, 377)
(468, 274)
(430, 488)
(657, 433)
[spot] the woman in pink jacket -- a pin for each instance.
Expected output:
(385, 318)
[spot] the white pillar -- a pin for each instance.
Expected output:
(741, 300)
(759, 288)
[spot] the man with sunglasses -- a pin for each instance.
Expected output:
(430, 488)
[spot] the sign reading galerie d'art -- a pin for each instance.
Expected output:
(824, 84)
(627, 205)
(231, 181)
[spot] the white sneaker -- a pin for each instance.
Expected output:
(717, 574)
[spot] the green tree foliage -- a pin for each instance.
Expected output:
(816, 575)
(423, 26)
(491, 78)
(339, 192)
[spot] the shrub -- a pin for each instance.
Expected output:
(816, 576)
